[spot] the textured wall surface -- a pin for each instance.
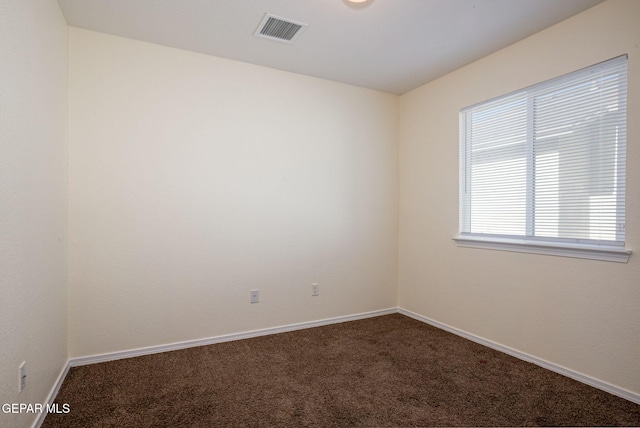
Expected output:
(579, 314)
(33, 200)
(194, 179)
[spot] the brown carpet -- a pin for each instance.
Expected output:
(384, 371)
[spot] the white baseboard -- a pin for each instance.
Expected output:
(111, 356)
(591, 381)
(52, 394)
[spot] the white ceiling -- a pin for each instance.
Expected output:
(389, 45)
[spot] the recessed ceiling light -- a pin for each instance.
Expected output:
(358, 3)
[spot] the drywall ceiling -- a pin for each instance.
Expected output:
(389, 45)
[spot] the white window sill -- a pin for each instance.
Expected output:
(581, 251)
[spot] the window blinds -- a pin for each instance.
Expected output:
(548, 162)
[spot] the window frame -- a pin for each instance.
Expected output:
(606, 250)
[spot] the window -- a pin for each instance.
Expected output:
(543, 169)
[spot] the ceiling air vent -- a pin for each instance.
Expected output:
(280, 29)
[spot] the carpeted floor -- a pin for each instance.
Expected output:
(384, 371)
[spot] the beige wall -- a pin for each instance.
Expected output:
(33, 199)
(579, 314)
(194, 179)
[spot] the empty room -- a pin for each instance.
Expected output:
(319, 213)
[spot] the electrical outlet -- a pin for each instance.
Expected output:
(22, 376)
(255, 296)
(315, 289)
